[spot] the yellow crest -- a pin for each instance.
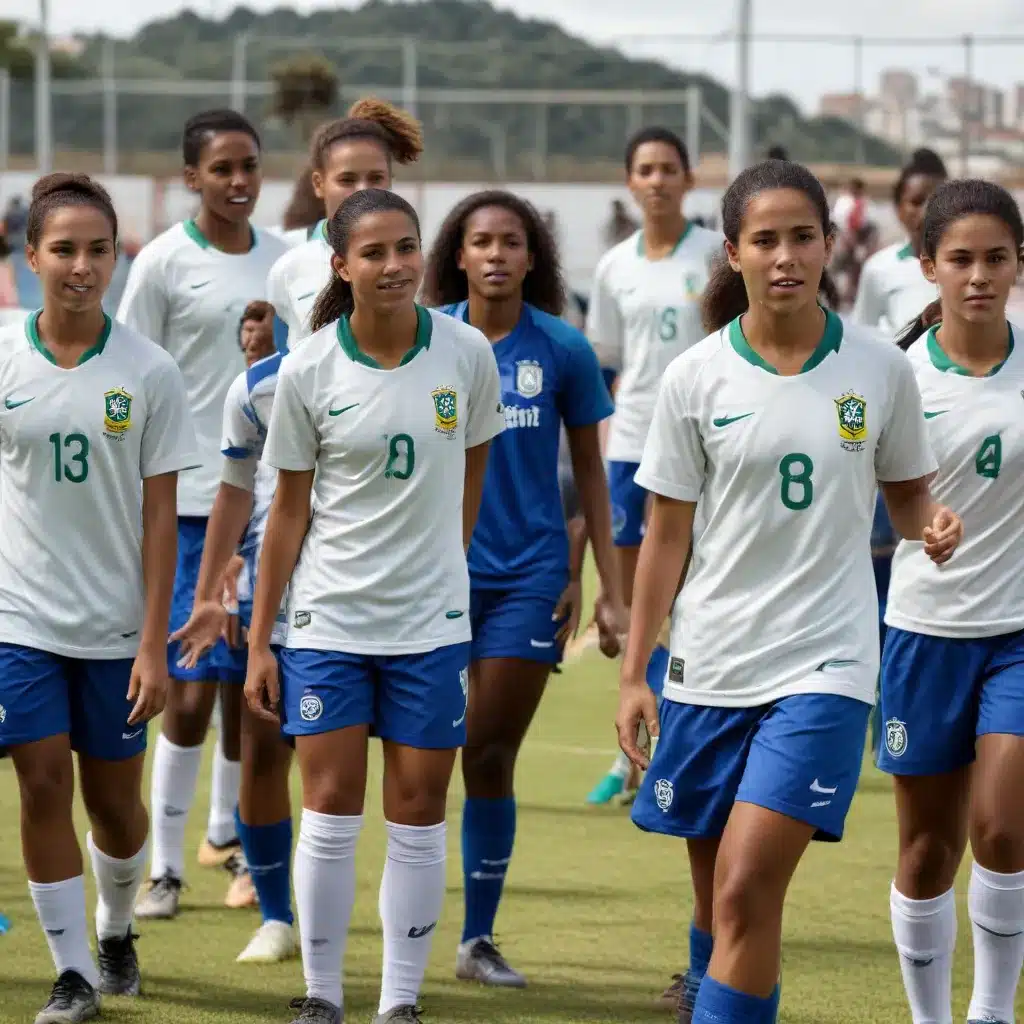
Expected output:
(853, 420)
(117, 411)
(446, 410)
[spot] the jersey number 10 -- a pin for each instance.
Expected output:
(401, 457)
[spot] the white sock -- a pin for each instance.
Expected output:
(220, 827)
(411, 897)
(620, 768)
(60, 907)
(925, 934)
(117, 886)
(175, 773)
(325, 890)
(996, 906)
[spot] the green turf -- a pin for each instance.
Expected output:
(596, 913)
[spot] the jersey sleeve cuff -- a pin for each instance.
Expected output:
(487, 433)
(173, 464)
(240, 473)
(288, 465)
(913, 472)
(666, 488)
(591, 419)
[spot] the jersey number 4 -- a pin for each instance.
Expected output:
(70, 457)
(989, 459)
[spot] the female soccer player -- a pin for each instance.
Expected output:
(780, 423)
(495, 266)
(392, 408)
(892, 289)
(347, 155)
(303, 212)
(187, 290)
(93, 432)
(953, 666)
(644, 311)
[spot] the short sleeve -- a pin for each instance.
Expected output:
(242, 437)
(168, 439)
(144, 306)
(903, 451)
(584, 398)
(869, 306)
(673, 462)
(293, 441)
(604, 328)
(277, 296)
(485, 415)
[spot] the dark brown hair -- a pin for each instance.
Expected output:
(305, 208)
(59, 189)
(398, 133)
(656, 134)
(201, 127)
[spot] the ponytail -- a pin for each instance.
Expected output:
(927, 319)
(334, 302)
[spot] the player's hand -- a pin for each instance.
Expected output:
(262, 684)
(206, 625)
(637, 704)
(612, 625)
(944, 535)
(147, 688)
(229, 583)
(567, 611)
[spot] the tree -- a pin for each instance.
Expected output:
(17, 54)
(305, 91)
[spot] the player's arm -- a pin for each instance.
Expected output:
(144, 304)
(473, 489)
(869, 305)
(604, 327)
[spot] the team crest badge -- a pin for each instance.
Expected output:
(853, 422)
(664, 793)
(896, 737)
(446, 410)
(529, 378)
(117, 411)
(691, 286)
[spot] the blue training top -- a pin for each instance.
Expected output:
(549, 376)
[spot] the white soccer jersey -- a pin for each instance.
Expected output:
(642, 314)
(75, 446)
(780, 596)
(382, 568)
(295, 281)
(892, 290)
(188, 296)
(246, 417)
(976, 429)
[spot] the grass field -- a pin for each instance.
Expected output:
(596, 913)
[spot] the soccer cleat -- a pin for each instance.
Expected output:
(408, 1014)
(241, 893)
(160, 900)
(688, 988)
(481, 960)
(670, 997)
(275, 941)
(213, 855)
(607, 789)
(72, 999)
(987, 1020)
(315, 1011)
(119, 966)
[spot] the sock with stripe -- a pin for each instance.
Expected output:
(701, 944)
(720, 1004)
(488, 835)
(925, 934)
(995, 903)
(268, 851)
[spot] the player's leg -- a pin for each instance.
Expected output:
(220, 846)
(996, 895)
(514, 649)
(35, 729)
(421, 706)
(265, 829)
(111, 757)
(927, 744)
(799, 780)
(327, 705)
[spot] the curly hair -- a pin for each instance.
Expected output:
(543, 286)
(398, 133)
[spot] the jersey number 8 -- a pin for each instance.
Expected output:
(797, 490)
(75, 468)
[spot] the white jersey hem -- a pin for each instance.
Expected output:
(316, 643)
(112, 652)
(823, 684)
(953, 630)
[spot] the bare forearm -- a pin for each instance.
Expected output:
(596, 507)
(159, 560)
(281, 546)
(911, 508)
(231, 511)
(577, 530)
(473, 490)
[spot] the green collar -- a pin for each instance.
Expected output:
(349, 345)
(193, 232)
(682, 238)
(32, 331)
(831, 339)
(944, 364)
(906, 253)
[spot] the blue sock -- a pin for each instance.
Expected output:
(488, 833)
(701, 944)
(719, 1004)
(268, 851)
(657, 668)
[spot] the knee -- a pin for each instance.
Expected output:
(116, 812)
(266, 757)
(743, 899)
(928, 864)
(997, 845)
(187, 716)
(332, 793)
(47, 788)
(489, 769)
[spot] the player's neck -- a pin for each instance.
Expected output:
(228, 236)
(784, 342)
(975, 347)
(385, 338)
(661, 236)
(67, 335)
(495, 318)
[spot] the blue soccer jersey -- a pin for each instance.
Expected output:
(549, 376)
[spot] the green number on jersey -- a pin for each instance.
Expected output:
(76, 468)
(989, 459)
(796, 469)
(667, 324)
(401, 457)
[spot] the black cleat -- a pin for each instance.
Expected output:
(72, 1000)
(119, 967)
(315, 1011)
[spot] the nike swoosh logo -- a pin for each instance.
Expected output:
(308, 295)
(817, 787)
(14, 405)
(196, 287)
(338, 412)
(724, 421)
(932, 415)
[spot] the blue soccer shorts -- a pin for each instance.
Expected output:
(511, 624)
(629, 504)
